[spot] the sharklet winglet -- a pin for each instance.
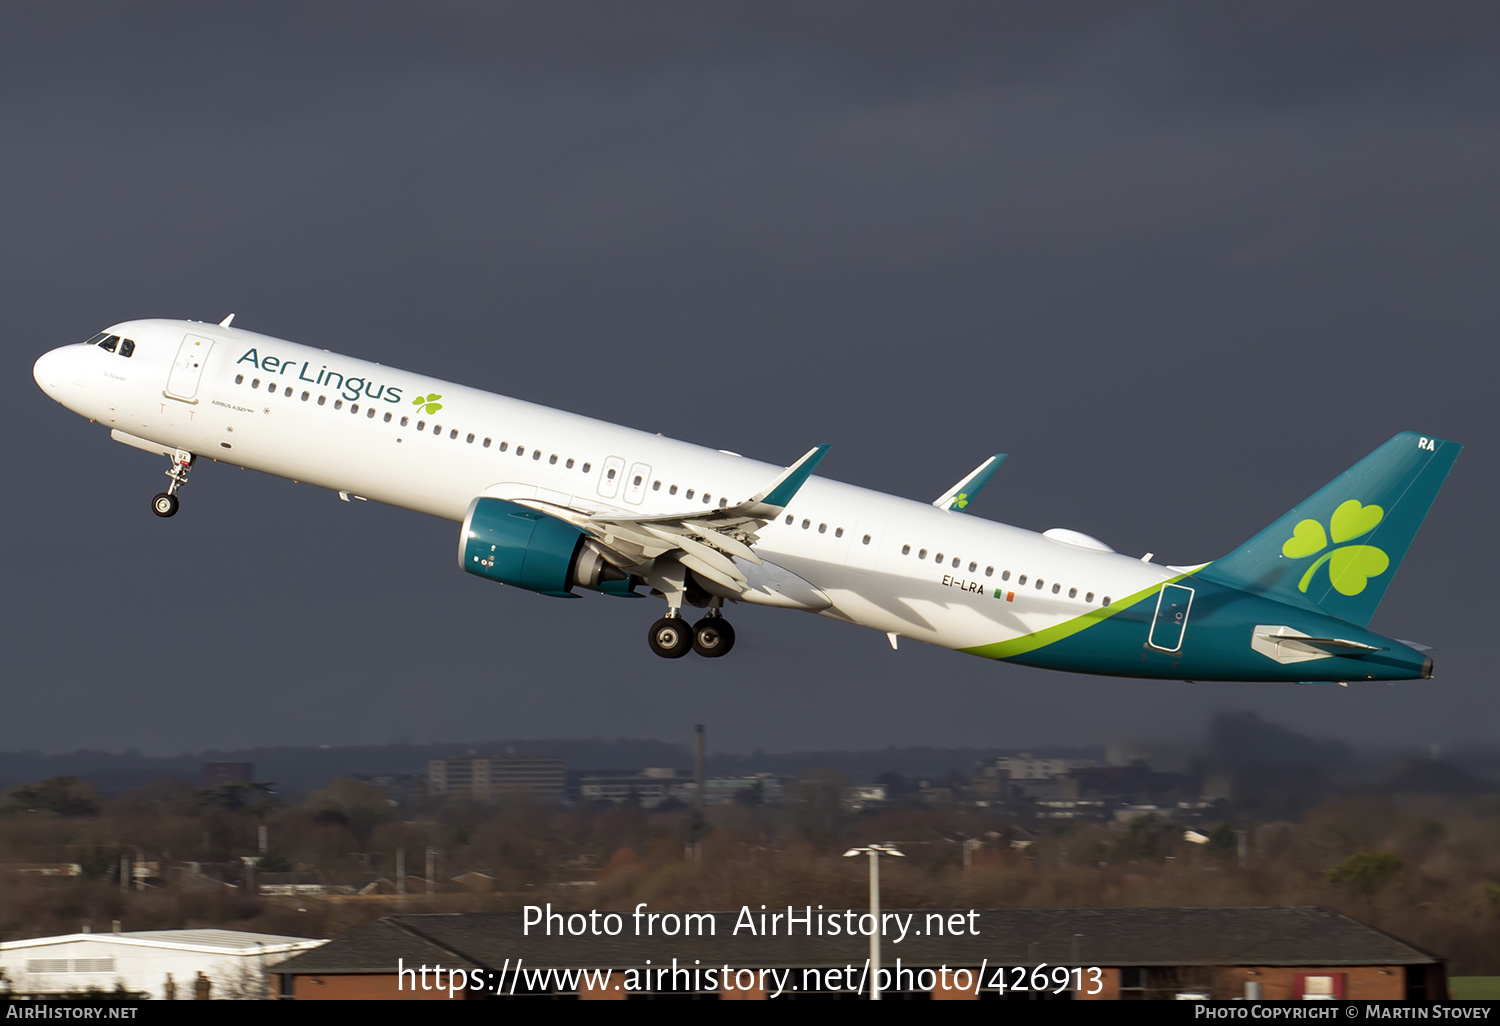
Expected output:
(961, 494)
(780, 491)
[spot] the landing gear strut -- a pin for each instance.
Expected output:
(164, 504)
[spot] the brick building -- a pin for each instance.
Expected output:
(1264, 953)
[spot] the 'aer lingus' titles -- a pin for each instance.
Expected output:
(350, 387)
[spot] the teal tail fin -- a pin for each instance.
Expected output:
(1338, 550)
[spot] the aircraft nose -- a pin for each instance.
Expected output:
(49, 371)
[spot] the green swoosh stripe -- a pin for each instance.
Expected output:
(1068, 628)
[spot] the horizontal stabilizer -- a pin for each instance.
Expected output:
(960, 495)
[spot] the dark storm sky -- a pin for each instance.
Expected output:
(1185, 263)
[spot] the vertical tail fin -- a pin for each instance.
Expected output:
(1338, 550)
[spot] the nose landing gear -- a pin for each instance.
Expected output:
(164, 504)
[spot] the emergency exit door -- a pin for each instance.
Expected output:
(1172, 607)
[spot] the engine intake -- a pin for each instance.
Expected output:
(516, 545)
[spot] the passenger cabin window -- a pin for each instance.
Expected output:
(955, 562)
(552, 459)
(688, 493)
(1056, 588)
(1005, 576)
(921, 553)
(503, 446)
(866, 540)
(1021, 580)
(1072, 593)
(405, 421)
(938, 558)
(1039, 583)
(386, 418)
(905, 549)
(536, 454)
(611, 477)
(322, 399)
(471, 438)
(586, 467)
(239, 379)
(421, 425)
(370, 415)
(789, 520)
(989, 571)
(838, 532)
(288, 392)
(1106, 601)
(354, 408)
(338, 404)
(308, 395)
(486, 441)
(822, 528)
(1089, 597)
(255, 383)
(806, 524)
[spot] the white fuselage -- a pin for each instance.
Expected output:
(355, 427)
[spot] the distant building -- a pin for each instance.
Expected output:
(1130, 953)
(234, 962)
(486, 779)
(219, 774)
(650, 787)
(1024, 767)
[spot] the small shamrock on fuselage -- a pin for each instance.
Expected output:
(429, 403)
(1350, 567)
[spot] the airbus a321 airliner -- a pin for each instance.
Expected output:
(551, 502)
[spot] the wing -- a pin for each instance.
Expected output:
(706, 542)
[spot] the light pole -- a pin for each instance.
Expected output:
(874, 851)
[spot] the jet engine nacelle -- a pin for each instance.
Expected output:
(516, 545)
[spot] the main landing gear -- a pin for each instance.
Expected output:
(671, 637)
(164, 504)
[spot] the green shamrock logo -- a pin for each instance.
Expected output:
(1350, 567)
(429, 403)
(960, 500)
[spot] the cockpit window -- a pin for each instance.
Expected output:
(97, 338)
(108, 345)
(127, 348)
